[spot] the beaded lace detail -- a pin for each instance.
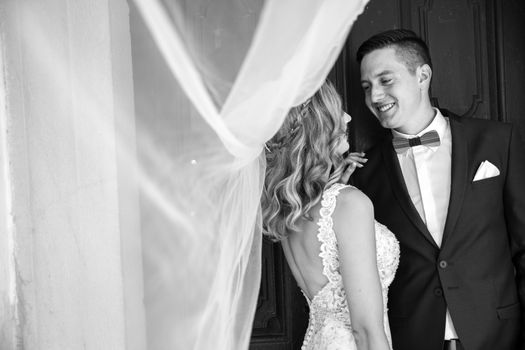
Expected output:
(329, 327)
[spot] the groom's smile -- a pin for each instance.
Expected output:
(385, 107)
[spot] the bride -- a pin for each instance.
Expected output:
(342, 259)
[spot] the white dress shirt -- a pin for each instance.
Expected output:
(427, 174)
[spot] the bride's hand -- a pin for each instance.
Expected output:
(352, 161)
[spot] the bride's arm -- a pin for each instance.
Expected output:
(354, 228)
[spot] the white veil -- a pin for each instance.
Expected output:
(203, 268)
(212, 81)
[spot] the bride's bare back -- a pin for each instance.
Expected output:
(301, 250)
(335, 262)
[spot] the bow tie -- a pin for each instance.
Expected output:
(430, 139)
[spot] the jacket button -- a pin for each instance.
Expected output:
(438, 292)
(443, 264)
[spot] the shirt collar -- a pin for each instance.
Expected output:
(439, 124)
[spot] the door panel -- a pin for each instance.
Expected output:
(461, 79)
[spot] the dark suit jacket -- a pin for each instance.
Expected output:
(483, 243)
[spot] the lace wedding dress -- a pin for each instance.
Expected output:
(329, 327)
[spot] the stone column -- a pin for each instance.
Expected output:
(70, 250)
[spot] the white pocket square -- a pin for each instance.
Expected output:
(486, 170)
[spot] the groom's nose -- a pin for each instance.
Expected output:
(377, 93)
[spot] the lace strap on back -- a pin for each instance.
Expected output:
(326, 234)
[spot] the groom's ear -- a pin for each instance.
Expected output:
(424, 74)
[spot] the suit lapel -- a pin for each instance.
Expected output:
(459, 175)
(400, 190)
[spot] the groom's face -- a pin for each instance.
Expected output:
(393, 93)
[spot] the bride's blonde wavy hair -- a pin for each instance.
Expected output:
(298, 159)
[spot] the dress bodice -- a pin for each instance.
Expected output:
(329, 325)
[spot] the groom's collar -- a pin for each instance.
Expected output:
(439, 123)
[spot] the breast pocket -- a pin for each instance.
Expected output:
(491, 181)
(510, 311)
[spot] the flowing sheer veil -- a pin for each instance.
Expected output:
(241, 65)
(212, 81)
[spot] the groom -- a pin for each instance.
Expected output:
(453, 191)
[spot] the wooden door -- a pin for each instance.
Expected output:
(478, 53)
(282, 313)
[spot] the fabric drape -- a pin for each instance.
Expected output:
(151, 144)
(241, 66)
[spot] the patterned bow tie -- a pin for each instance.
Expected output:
(430, 139)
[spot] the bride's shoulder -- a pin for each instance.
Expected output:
(347, 194)
(353, 217)
(351, 200)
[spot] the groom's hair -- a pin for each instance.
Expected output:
(412, 50)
